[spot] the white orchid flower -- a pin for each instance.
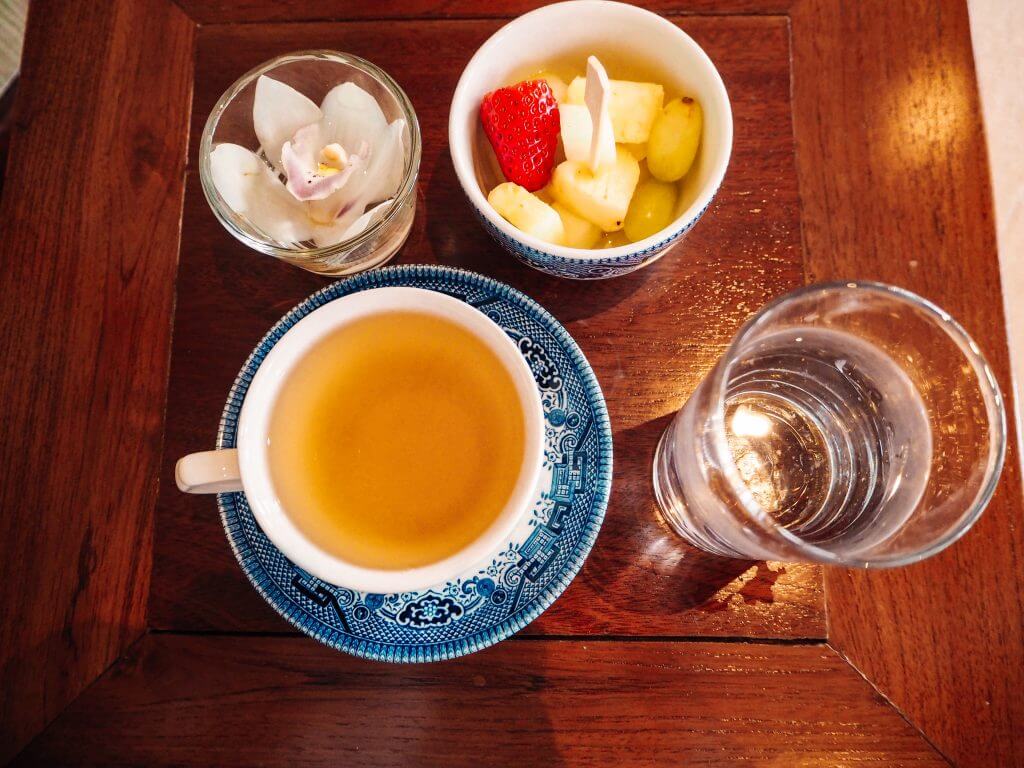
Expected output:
(326, 173)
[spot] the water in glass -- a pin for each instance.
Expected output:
(826, 431)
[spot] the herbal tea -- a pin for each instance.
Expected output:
(397, 440)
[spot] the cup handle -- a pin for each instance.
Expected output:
(209, 472)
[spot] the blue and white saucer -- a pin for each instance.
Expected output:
(512, 586)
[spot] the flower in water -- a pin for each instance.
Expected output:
(323, 174)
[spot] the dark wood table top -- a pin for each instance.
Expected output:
(670, 325)
(127, 310)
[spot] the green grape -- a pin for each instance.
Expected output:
(675, 137)
(651, 210)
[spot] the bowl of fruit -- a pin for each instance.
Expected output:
(589, 137)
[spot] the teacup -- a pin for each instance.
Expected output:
(623, 32)
(248, 466)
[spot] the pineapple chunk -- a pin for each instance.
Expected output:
(639, 150)
(579, 233)
(577, 88)
(601, 198)
(527, 212)
(633, 107)
(645, 173)
(555, 83)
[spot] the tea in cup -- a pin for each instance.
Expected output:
(389, 440)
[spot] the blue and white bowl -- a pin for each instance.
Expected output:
(615, 32)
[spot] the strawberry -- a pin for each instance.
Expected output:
(521, 122)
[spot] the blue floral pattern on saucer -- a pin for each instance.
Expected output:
(514, 585)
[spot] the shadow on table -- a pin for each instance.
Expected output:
(638, 553)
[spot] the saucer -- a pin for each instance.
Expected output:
(515, 583)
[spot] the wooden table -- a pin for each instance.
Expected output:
(130, 636)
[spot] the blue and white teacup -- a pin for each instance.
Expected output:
(247, 467)
(619, 32)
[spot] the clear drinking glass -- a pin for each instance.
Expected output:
(314, 73)
(854, 424)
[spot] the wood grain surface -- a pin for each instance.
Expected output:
(651, 336)
(183, 701)
(234, 11)
(894, 184)
(6, 121)
(90, 216)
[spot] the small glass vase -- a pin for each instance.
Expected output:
(314, 73)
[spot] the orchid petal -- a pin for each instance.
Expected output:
(341, 202)
(378, 181)
(253, 191)
(278, 111)
(353, 116)
(235, 170)
(299, 157)
(390, 157)
(370, 217)
(276, 216)
(333, 234)
(329, 235)
(326, 236)
(306, 144)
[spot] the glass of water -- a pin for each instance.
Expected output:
(854, 424)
